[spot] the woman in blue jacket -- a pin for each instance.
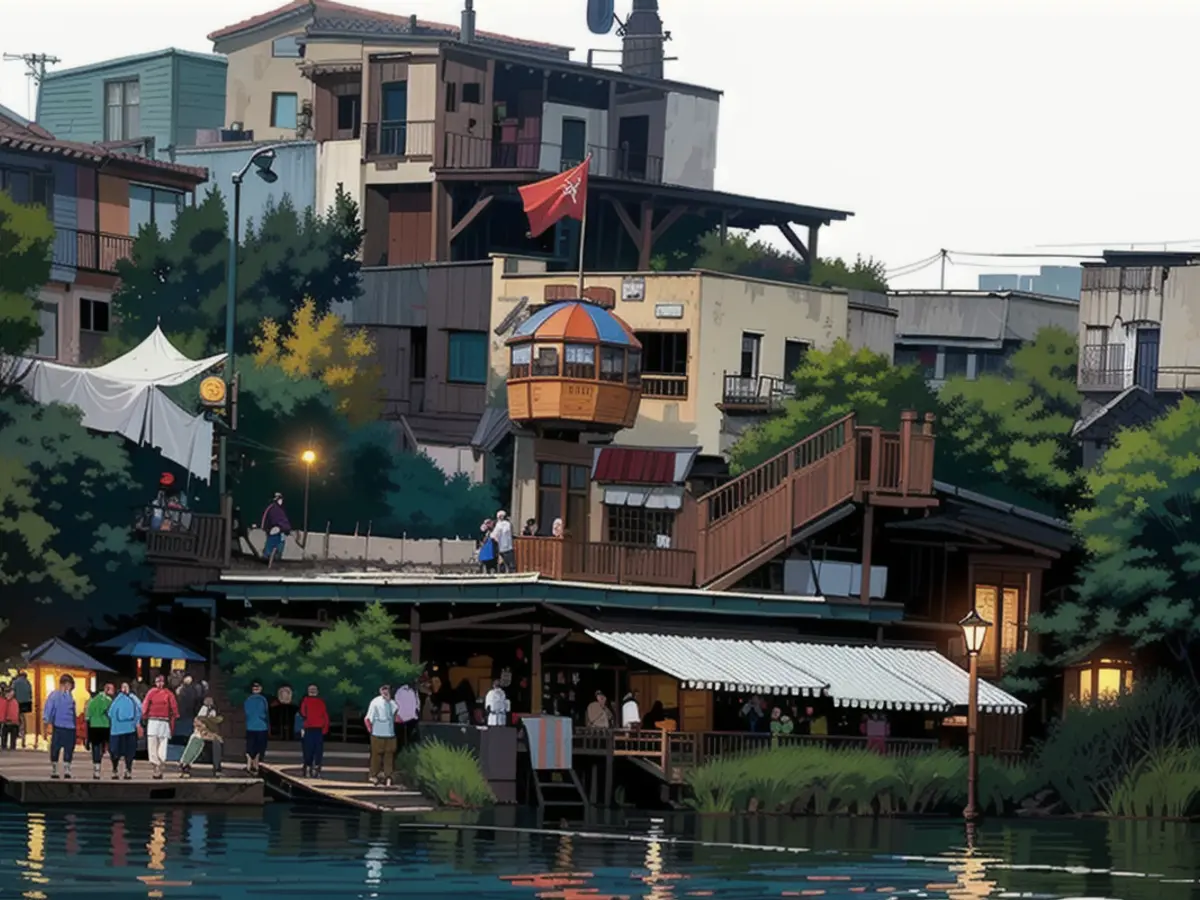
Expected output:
(258, 721)
(125, 714)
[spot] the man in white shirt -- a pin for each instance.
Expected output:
(496, 705)
(631, 716)
(381, 725)
(502, 534)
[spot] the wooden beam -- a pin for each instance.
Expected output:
(471, 215)
(556, 640)
(792, 238)
(414, 637)
(646, 245)
(478, 619)
(812, 241)
(578, 618)
(535, 674)
(672, 216)
(632, 230)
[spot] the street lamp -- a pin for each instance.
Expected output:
(974, 627)
(261, 161)
(308, 457)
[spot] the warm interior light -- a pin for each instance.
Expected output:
(1085, 686)
(975, 628)
(1108, 683)
(49, 684)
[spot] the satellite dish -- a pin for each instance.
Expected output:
(600, 16)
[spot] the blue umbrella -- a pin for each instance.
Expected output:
(146, 643)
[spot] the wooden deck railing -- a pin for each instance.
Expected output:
(188, 537)
(566, 559)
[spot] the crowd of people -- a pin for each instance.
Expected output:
(494, 547)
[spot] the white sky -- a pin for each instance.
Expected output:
(975, 125)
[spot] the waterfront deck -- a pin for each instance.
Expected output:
(25, 778)
(344, 782)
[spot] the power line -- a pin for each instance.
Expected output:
(1124, 244)
(1027, 255)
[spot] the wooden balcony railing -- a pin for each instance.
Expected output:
(566, 559)
(400, 140)
(664, 387)
(755, 393)
(180, 536)
(470, 151)
(92, 251)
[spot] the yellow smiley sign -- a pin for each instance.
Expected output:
(212, 390)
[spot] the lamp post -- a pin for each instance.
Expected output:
(308, 457)
(261, 160)
(974, 628)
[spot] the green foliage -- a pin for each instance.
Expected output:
(1164, 785)
(259, 651)
(1034, 404)
(26, 238)
(351, 659)
(449, 775)
(829, 385)
(1143, 542)
(738, 255)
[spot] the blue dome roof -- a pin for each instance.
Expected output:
(577, 320)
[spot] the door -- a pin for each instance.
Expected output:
(1145, 359)
(793, 357)
(633, 147)
(574, 142)
(751, 353)
(393, 125)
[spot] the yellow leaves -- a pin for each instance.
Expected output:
(322, 347)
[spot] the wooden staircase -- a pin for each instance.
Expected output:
(751, 519)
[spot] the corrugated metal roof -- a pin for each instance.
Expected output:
(861, 676)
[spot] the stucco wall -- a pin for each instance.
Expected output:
(552, 128)
(872, 328)
(1179, 353)
(254, 75)
(339, 162)
(690, 145)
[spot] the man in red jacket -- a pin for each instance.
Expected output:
(160, 712)
(314, 725)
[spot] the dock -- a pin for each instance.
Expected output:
(343, 781)
(25, 778)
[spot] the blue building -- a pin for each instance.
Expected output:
(157, 99)
(1051, 281)
(295, 165)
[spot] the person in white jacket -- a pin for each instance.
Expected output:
(381, 724)
(631, 715)
(502, 534)
(496, 705)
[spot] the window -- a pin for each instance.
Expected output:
(664, 352)
(417, 337)
(122, 102)
(638, 525)
(612, 364)
(563, 494)
(574, 142)
(990, 362)
(152, 205)
(284, 110)
(1001, 603)
(27, 186)
(580, 361)
(520, 358)
(955, 363)
(451, 96)
(907, 357)
(1145, 359)
(288, 47)
(472, 92)
(93, 315)
(468, 357)
(349, 113)
(751, 354)
(545, 362)
(794, 353)
(633, 368)
(1096, 335)
(47, 344)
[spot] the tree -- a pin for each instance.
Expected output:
(738, 255)
(351, 659)
(259, 651)
(322, 347)
(1033, 405)
(1142, 536)
(830, 384)
(26, 237)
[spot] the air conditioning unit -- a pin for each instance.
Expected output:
(236, 136)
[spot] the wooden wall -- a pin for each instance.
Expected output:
(327, 89)
(460, 299)
(410, 225)
(467, 120)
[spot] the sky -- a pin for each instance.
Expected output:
(978, 126)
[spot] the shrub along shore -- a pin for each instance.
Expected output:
(1138, 756)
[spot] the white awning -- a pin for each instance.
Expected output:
(860, 676)
(641, 495)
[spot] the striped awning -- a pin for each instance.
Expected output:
(860, 676)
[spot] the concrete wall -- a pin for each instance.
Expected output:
(872, 328)
(690, 145)
(339, 162)
(431, 552)
(552, 128)
(1179, 353)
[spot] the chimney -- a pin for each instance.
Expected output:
(642, 44)
(466, 33)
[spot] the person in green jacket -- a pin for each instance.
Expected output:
(98, 725)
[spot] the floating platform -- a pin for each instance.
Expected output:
(343, 781)
(25, 778)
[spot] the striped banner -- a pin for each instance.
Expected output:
(549, 742)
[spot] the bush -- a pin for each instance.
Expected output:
(450, 775)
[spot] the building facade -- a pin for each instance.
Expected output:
(154, 101)
(972, 333)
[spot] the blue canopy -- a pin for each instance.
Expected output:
(55, 652)
(146, 643)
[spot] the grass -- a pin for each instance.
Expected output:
(449, 775)
(1164, 785)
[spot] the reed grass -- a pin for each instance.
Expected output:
(449, 775)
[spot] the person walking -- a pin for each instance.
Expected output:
(59, 717)
(125, 717)
(23, 691)
(275, 523)
(160, 711)
(314, 725)
(205, 730)
(502, 534)
(10, 719)
(381, 725)
(258, 725)
(99, 726)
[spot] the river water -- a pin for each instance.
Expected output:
(290, 850)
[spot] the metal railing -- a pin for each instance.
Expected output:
(93, 251)
(667, 387)
(469, 151)
(756, 392)
(1103, 366)
(402, 139)
(622, 162)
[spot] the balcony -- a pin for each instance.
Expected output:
(565, 559)
(92, 251)
(1102, 368)
(465, 151)
(664, 387)
(177, 536)
(755, 393)
(401, 140)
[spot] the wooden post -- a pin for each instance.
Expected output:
(414, 632)
(647, 236)
(608, 769)
(908, 419)
(864, 591)
(535, 674)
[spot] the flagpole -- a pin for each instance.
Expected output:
(583, 225)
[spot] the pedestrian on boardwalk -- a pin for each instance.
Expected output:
(124, 716)
(160, 711)
(99, 726)
(314, 725)
(258, 724)
(496, 704)
(381, 725)
(59, 717)
(502, 534)
(23, 691)
(205, 730)
(190, 696)
(275, 523)
(10, 719)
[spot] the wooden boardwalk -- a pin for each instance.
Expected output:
(343, 780)
(25, 778)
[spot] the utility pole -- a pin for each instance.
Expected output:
(35, 70)
(943, 287)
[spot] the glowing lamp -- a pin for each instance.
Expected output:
(974, 628)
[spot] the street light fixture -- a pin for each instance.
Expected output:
(261, 160)
(974, 627)
(308, 457)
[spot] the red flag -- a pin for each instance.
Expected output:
(560, 197)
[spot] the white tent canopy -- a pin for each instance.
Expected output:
(124, 397)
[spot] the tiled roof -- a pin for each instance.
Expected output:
(30, 142)
(330, 9)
